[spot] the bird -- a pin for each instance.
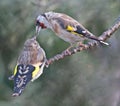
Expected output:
(65, 27)
(29, 67)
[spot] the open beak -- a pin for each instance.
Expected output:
(38, 28)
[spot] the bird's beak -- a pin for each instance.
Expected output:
(38, 28)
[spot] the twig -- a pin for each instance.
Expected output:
(107, 34)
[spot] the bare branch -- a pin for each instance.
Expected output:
(111, 30)
(107, 34)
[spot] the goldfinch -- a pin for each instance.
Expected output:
(65, 27)
(29, 66)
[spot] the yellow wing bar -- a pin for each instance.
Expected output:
(15, 70)
(72, 30)
(35, 72)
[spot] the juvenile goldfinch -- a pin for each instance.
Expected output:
(29, 66)
(65, 27)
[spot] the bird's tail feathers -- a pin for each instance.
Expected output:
(96, 39)
(105, 43)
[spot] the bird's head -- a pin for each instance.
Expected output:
(31, 43)
(42, 21)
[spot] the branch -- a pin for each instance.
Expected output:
(107, 34)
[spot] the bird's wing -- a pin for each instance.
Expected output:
(22, 75)
(28, 69)
(41, 56)
(38, 71)
(77, 30)
(15, 70)
(39, 65)
(22, 69)
(71, 25)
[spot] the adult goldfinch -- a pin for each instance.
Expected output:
(65, 27)
(29, 66)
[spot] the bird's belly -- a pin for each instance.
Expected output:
(70, 38)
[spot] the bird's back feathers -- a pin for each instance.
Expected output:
(29, 66)
(72, 26)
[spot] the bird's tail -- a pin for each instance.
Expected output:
(96, 39)
(87, 34)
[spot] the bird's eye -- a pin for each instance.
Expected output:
(35, 43)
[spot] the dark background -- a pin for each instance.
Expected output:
(88, 78)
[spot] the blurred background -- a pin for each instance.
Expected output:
(88, 78)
